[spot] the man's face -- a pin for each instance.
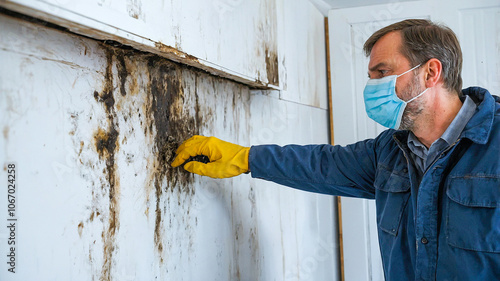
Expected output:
(385, 60)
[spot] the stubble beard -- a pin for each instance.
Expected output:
(413, 109)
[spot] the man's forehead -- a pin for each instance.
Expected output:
(386, 50)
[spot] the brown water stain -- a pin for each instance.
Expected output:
(272, 67)
(106, 145)
(80, 229)
(267, 29)
(82, 143)
(6, 132)
(133, 75)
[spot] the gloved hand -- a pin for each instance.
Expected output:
(226, 159)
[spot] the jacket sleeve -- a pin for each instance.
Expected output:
(335, 170)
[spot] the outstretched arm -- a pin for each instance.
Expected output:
(335, 170)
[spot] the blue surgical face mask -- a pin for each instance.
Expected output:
(381, 102)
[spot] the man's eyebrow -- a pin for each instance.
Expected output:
(377, 66)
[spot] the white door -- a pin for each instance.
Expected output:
(477, 25)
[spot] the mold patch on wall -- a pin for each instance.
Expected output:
(169, 124)
(166, 112)
(162, 97)
(123, 114)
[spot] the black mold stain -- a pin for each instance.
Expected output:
(173, 125)
(106, 144)
(106, 98)
(122, 74)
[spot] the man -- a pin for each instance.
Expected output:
(436, 180)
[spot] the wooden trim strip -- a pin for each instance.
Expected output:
(332, 142)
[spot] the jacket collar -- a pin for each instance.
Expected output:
(480, 125)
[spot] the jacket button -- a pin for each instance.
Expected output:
(405, 170)
(424, 240)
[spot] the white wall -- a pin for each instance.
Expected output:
(89, 208)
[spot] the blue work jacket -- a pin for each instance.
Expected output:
(445, 227)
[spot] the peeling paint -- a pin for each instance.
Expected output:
(175, 51)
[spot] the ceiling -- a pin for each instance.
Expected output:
(325, 5)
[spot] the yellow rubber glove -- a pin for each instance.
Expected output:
(226, 159)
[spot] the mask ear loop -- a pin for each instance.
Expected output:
(412, 99)
(409, 70)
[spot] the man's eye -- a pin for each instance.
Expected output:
(383, 72)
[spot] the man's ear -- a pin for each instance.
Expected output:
(432, 72)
